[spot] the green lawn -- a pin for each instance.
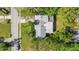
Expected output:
(5, 30)
(26, 38)
(28, 42)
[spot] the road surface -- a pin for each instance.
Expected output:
(14, 26)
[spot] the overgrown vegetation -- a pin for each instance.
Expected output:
(60, 39)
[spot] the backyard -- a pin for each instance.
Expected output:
(58, 41)
(30, 43)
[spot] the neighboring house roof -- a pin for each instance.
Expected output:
(76, 35)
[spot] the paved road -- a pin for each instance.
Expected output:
(14, 26)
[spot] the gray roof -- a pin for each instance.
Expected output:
(76, 35)
(41, 25)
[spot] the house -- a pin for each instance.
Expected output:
(43, 25)
(39, 26)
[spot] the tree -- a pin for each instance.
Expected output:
(68, 13)
(4, 46)
(40, 10)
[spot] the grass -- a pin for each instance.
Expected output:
(62, 22)
(5, 30)
(26, 38)
(28, 42)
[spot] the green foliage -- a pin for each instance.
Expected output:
(33, 11)
(59, 40)
(68, 13)
(4, 47)
(27, 34)
(60, 37)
